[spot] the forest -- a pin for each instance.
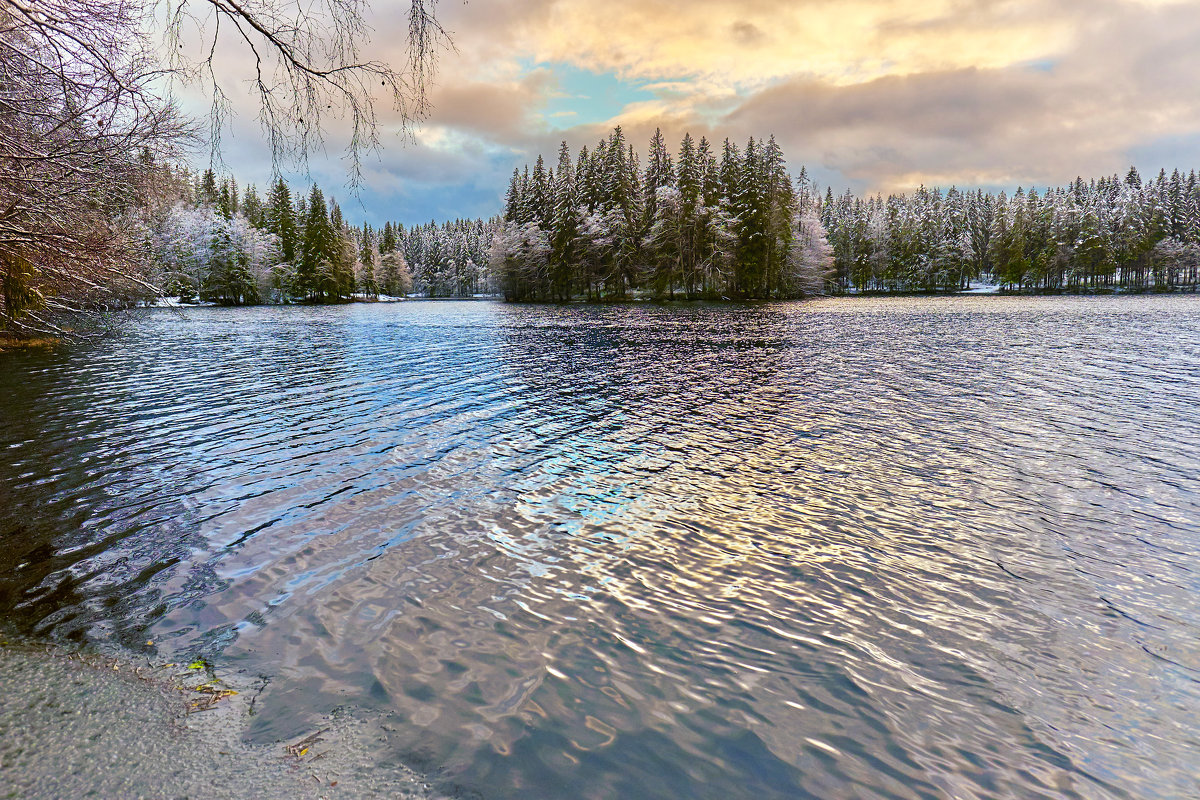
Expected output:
(93, 219)
(599, 226)
(735, 225)
(1105, 234)
(219, 244)
(697, 225)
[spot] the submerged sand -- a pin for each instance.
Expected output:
(76, 725)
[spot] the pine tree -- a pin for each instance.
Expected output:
(746, 184)
(564, 226)
(227, 199)
(280, 218)
(730, 172)
(396, 279)
(314, 267)
(206, 192)
(659, 173)
(389, 241)
(341, 254)
(782, 209)
(513, 202)
(538, 200)
(228, 280)
(367, 268)
(253, 209)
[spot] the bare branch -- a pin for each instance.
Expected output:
(86, 124)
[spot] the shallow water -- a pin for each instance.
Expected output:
(907, 547)
(77, 725)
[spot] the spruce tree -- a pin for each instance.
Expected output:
(367, 273)
(564, 226)
(314, 265)
(207, 193)
(253, 209)
(341, 254)
(280, 218)
(660, 173)
(512, 199)
(388, 242)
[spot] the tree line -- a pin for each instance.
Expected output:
(699, 224)
(234, 247)
(1104, 234)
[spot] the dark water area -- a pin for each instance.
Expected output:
(914, 547)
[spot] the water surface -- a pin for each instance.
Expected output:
(908, 547)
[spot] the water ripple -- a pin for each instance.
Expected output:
(871, 548)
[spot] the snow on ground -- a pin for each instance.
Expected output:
(173, 302)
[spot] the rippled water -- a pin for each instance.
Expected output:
(861, 548)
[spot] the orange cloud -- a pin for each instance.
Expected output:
(753, 43)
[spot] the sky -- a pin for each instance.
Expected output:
(869, 95)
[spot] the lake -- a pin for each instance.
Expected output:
(895, 547)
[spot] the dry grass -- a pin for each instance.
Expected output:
(10, 342)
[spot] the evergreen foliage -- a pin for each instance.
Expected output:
(699, 225)
(601, 227)
(222, 246)
(1106, 234)
(693, 224)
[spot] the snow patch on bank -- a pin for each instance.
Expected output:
(983, 288)
(174, 302)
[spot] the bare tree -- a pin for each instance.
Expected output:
(86, 118)
(307, 64)
(80, 127)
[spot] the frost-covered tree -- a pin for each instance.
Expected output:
(729, 225)
(396, 280)
(202, 255)
(519, 254)
(809, 260)
(228, 280)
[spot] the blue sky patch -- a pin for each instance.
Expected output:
(585, 97)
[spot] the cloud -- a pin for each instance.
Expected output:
(872, 94)
(760, 41)
(1126, 83)
(499, 111)
(746, 33)
(880, 94)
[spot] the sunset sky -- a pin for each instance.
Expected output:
(870, 95)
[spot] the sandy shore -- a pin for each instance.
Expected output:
(76, 725)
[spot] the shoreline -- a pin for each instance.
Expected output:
(10, 342)
(13, 343)
(77, 721)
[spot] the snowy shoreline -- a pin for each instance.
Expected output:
(982, 289)
(175, 302)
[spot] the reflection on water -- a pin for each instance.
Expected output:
(870, 548)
